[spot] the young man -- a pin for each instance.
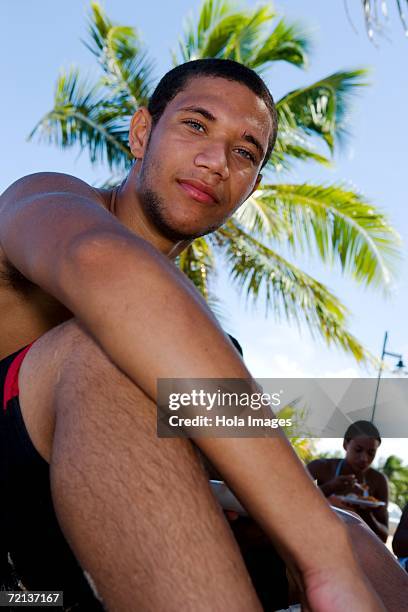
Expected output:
(354, 474)
(88, 273)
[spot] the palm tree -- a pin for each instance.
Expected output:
(281, 221)
(376, 13)
(397, 475)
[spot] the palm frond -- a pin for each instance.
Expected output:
(258, 270)
(321, 108)
(242, 35)
(193, 40)
(98, 26)
(332, 221)
(259, 216)
(287, 42)
(376, 15)
(212, 12)
(241, 46)
(292, 146)
(222, 34)
(82, 115)
(127, 67)
(198, 264)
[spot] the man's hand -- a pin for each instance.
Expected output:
(337, 591)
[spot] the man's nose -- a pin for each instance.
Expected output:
(214, 157)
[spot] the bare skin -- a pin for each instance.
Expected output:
(112, 273)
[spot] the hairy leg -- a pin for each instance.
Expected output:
(136, 510)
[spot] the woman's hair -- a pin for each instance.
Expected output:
(362, 428)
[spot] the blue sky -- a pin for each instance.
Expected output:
(44, 36)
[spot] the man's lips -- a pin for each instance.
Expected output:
(198, 191)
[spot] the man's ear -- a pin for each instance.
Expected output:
(257, 183)
(139, 132)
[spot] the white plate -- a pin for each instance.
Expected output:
(361, 501)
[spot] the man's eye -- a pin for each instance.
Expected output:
(247, 155)
(196, 125)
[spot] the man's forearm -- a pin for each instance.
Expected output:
(152, 324)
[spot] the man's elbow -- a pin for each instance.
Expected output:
(95, 257)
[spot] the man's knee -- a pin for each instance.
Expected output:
(64, 363)
(68, 350)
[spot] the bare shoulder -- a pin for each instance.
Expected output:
(320, 468)
(379, 482)
(48, 182)
(22, 192)
(377, 476)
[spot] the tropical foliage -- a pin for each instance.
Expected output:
(397, 474)
(282, 221)
(376, 14)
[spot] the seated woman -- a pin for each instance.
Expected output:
(400, 541)
(353, 474)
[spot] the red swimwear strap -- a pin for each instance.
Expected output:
(11, 383)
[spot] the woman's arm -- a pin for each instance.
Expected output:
(377, 519)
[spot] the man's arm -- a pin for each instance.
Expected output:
(152, 323)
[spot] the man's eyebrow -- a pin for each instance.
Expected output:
(200, 110)
(255, 141)
(207, 115)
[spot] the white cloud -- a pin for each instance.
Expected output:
(279, 365)
(344, 373)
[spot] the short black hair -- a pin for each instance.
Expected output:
(177, 79)
(360, 429)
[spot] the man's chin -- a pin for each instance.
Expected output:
(171, 225)
(185, 235)
(181, 231)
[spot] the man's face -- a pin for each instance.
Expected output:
(203, 157)
(360, 452)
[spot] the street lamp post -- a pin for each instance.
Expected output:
(400, 366)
